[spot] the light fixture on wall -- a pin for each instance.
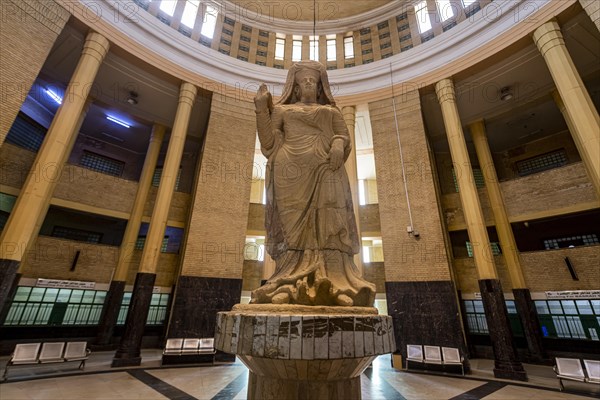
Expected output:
(132, 98)
(506, 93)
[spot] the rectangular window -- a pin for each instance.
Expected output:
(476, 317)
(263, 44)
(571, 241)
(190, 12)
(365, 31)
(158, 174)
(229, 21)
(296, 50)
(445, 9)
(422, 15)
(156, 313)
(141, 241)
(348, 47)
(570, 319)
(102, 164)
(314, 48)
(243, 48)
(331, 50)
(263, 33)
(245, 39)
(53, 306)
(279, 48)
(382, 25)
(495, 248)
(26, 133)
(168, 7)
(209, 22)
(542, 162)
(79, 235)
(402, 17)
(477, 175)
(384, 35)
(467, 3)
(246, 28)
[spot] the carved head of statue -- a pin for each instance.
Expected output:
(307, 73)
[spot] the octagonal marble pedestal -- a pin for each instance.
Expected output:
(303, 352)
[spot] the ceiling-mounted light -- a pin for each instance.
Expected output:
(118, 121)
(506, 93)
(132, 98)
(54, 96)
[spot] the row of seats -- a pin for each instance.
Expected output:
(433, 355)
(571, 369)
(182, 346)
(51, 352)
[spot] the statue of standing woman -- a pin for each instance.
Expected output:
(311, 230)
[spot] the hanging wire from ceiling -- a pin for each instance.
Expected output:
(411, 229)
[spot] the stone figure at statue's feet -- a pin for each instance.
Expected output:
(311, 229)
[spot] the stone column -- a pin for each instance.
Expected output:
(578, 107)
(349, 114)
(592, 8)
(128, 352)
(523, 302)
(417, 270)
(37, 189)
(211, 273)
(507, 365)
(114, 297)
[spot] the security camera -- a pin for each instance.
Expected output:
(416, 234)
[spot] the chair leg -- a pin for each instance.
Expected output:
(5, 372)
(560, 383)
(82, 365)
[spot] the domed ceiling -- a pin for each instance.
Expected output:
(303, 10)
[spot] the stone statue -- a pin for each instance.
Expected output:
(311, 230)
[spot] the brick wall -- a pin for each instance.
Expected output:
(374, 272)
(219, 217)
(84, 186)
(407, 258)
(548, 264)
(256, 219)
(28, 30)
(52, 258)
(536, 195)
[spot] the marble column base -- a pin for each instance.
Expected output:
(531, 324)
(8, 275)
(506, 362)
(110, 314)
(303, 352)
(128, 353)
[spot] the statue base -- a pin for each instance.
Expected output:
(302, 352)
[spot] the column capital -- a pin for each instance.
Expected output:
(445, 90)
(547, 36)
(96, 45)
(187, 93)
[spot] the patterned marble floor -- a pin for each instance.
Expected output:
(228, 382)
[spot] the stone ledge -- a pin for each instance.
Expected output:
(295, 309)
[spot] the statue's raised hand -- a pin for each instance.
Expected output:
(263, 100)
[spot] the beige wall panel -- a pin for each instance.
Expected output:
(369, 219)
(407, 258)
(180, 204)
(217, 226)
(256, 218)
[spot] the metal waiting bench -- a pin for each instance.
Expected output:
(434, 355)
(189, 351)
(570, 369)
(51, 352)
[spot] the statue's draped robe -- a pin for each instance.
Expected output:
(311, 230)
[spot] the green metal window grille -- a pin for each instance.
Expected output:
(571, 319)
(26, 133)
(102, 164)
(156, 314)
(477, 174)
(33, 306)
(571, 241)
(477, 324)
(542, 162)
(495, 248)
(158, 173)
(79, 235)
(141, 241)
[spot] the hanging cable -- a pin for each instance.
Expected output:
(412, 228)
(314, 48)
